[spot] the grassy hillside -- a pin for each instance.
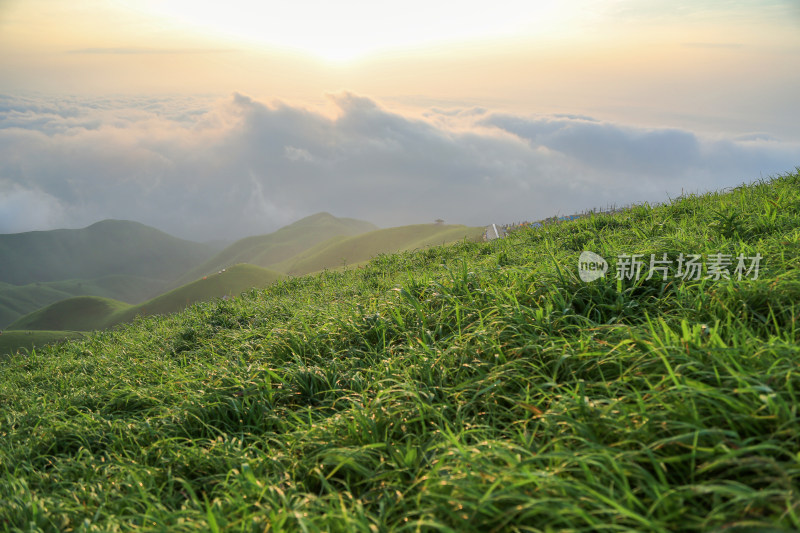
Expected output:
(19, 300)
(268, 250)
(341, 251)
(231, 282)
(88, 313)
(110, 247)
(475, 387)
(82, 313)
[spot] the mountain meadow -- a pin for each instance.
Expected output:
(468, 387)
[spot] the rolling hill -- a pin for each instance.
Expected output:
(110, 247)
(19, 300)
(230, 282)
(81, 313)
(341, 251)
(88, 313)
(268, 250)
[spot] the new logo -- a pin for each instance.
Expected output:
(591, 266)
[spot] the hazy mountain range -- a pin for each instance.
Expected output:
(114, 270)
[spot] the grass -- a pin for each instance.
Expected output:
(473, 387)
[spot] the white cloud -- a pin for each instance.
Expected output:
(26, 209)
(297, 154)
(206, 169)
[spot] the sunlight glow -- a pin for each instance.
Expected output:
(351, 29)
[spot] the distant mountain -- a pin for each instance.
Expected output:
(283, 244)
(19, 300)
(110, 247)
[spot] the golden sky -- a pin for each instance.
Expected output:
(646, 60)
(258, 112)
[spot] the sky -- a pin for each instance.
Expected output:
(217, 120)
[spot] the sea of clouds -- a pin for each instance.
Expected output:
(204, 168)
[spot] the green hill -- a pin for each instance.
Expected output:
(230, 282)
(12, 341)
(19, 300)
(341, 251)
(268, 250)
(82, 313)
(305, 246)
(111, 247)
(471, 387)
(133, 262)
(89, 313)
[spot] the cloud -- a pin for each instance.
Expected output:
(456, 112)
(713, 45)
(139, 51)
(26, 209)
(622, 155)
(207, 169)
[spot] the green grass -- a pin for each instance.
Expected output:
(357, 250)
(473, 387)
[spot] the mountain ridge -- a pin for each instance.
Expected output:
(269, 249)
(110, 246)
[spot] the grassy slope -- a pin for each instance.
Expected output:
(232, 282)
(361, 248)
(19, 300)
(268, 250)
(81, 313)
(112, 246)
(475, 387)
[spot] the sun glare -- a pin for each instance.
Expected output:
(348, 30)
